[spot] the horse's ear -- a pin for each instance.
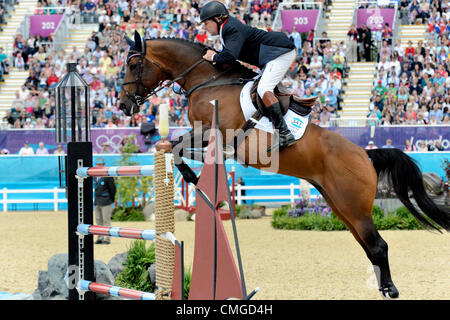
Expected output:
(130, 42)
(138, 41)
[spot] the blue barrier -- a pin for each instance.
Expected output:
(41, 172)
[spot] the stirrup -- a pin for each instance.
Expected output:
(276, 145)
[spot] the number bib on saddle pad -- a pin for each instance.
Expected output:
(296, 123)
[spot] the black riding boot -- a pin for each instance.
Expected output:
(285, 137)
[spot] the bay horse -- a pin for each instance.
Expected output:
(345, 174)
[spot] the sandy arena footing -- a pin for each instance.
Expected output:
(287, 265)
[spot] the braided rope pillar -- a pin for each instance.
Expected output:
(164, 222)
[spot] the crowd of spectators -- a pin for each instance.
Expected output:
(318, 70)
(5, 12)
(411, 84)
(412, 81)
(422, 146)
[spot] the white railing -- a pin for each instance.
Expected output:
(350, 121)
(55, 200)
(293, 195)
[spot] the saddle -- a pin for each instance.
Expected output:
(287, 101)
(301, 106)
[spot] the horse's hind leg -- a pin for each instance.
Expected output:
(352, 202)
(378, 254)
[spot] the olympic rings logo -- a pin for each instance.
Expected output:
(112, 141)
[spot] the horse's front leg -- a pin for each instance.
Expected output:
(181, 147)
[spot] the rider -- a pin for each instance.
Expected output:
(272, 52)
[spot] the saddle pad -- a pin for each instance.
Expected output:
(296, 123)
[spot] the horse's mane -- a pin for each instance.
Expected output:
(201, 48)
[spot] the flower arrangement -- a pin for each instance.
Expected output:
(303, 207)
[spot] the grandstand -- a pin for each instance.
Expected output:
(330, 56)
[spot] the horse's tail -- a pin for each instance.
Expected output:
(404, 175)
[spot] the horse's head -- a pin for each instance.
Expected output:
(141, 77)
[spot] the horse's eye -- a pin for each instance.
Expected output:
(133, 67)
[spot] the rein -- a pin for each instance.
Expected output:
(211, 82)
(136, 98)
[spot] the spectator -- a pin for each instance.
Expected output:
(365, 43)
(105, 148)
(379, 89)
(105, 192)
(331, 97)
(436, 147)
(410, 51)
(409, 147)
(387, 34)
(371, 145)
(19, 63)
(325, 117)
(436, 113)
(422, 147)
(297, 39)
(388, 144)
(88, 11)
(59, 150)
(42, 149)
(26, 150)
(353, 44)
(241, 183)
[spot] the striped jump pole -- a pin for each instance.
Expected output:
(116, 171)
(129, 233)
(85, 285)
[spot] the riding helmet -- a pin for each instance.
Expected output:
(213, 9)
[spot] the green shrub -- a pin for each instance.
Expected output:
(290, 218)
(135, 274)
(309, 221)
(377, 212)
(244, 211)
(187, 283)
(127, 214)
(129, 189)
(403, 212)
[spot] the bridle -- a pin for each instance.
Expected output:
(138, 99)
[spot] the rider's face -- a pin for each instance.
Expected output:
(211, 27)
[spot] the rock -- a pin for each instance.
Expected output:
(149, 212)
(152, 273)
(255, 214)
(262, 210)
(433, 183)
(52, 284)
(102, 273)
(117, 263)
(181, 215)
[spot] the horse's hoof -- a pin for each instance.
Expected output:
(191, 177)
(389, 292)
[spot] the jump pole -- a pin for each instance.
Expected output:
(168, 251)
